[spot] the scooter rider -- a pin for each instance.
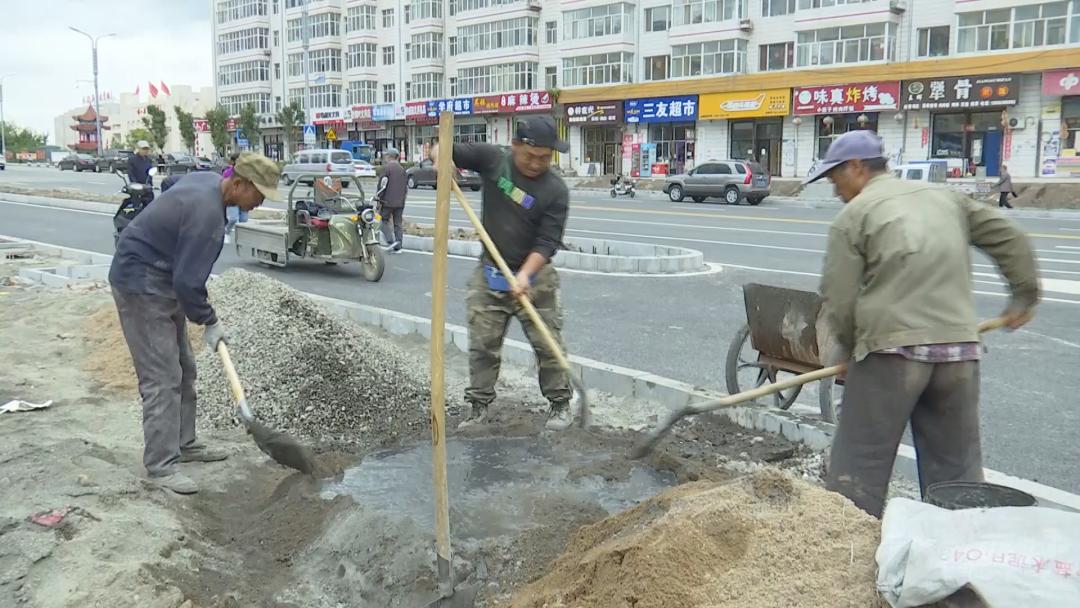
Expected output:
(138, 167)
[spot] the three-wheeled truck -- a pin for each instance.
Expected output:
(326, 224)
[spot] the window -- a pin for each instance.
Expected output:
(407, 11)
(277, 99)
(775, 8)
(388, 55)
(231, 10)
(277, 71)
(360, 18)
(933, 41)
(848, 44)
(276, 8)
(277, 38)
(251, 39)
(779, 56)
(427, 9)
(704, 58)
(602, 68)
(690, 12)
(1021, 27)
(551, 32)
(363, 92)
(245, 71)
(837, 125)
(670, 141)
(475, 5)
(470, 134)
(236, 103)
(807, 4)
(319, 62)
(360, 55)
(495, 35)
(452, 46)
(453, 85)
(504, 77)
(426, 46)
(658, 67)
(389, 93)
(388, 17)
(657, 18)
(426, 85)
(551, 77)
(326, 96)
(596, 21)
(319, 26)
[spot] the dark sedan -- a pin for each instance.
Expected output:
(424, 175)
(78, 163)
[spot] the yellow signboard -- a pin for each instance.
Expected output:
(744, 104)
(330, 135)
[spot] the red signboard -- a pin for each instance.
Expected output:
(416, 114)
(360, 113)
(201, 125)
(231, 124)
(533, 101)
(1061, 82)
(845, 98)
(489, 104)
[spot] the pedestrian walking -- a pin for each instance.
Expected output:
(390, 195)
(158, 277)
(1005, 188)
(897, 298)
(524, 208)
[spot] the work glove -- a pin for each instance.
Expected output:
(213, 334)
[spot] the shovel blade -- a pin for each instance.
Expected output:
(281, 448)
(462, 597)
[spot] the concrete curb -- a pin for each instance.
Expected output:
(61, 203)
(665, 393)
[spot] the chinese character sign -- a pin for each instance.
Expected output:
(533, 101)
(595, 113)
(462, 106)
(961, 92)
(839, 99)
(661, 109)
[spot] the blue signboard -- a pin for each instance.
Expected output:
(382, 112)
(661, 109)
(461, 106)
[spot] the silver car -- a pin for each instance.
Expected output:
(731, 180)
(307, 162)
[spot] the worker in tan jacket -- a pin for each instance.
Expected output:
(897, 298)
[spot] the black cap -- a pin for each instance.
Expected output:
(540, 131)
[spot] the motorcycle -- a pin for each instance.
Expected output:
(621, 187)
(138, 197)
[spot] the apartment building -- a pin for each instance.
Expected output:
(649, 87)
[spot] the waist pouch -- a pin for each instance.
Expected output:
(497, 281)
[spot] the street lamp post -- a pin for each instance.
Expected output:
(97, 106)
(3, 125)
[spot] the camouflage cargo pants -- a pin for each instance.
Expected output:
(489, 315)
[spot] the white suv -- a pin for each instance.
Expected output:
(318, 162)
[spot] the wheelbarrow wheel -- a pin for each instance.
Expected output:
(742, 357)
(374, 263)
(830, 395)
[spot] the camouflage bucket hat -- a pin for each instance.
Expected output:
(261, 171)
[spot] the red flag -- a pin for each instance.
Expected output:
(153, 89)
(137, 90)
(165, 89)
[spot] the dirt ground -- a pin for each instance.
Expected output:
(260, 535)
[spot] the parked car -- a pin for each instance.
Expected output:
(933, 173)
(78, 163)
(114, 160)
(731, 180)
(205, 164)
(423, 174)
(364, 168)
(179, 163)
(318, 162)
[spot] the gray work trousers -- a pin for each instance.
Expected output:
(393, 225)
(882, 393)
(156, 333)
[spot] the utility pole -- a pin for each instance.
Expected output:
(3, 125)
(97, 106)
(306, 37)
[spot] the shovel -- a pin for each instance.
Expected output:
(650, 441)
(278, 446)
(527, 305)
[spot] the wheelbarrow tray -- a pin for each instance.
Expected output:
(783, 326)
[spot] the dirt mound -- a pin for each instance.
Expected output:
(763, 541)
(307, 372)
(108, 360)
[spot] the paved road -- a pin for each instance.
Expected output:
(681, 327)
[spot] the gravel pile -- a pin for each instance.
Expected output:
(308, 372)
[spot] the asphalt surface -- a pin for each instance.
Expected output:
(681, 327)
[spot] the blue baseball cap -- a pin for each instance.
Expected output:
(853, 145)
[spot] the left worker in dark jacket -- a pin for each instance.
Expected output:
(139, 165)
(158, 276)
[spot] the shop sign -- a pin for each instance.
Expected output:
(595, 113)
(201, 125)
(488, 104)
(230, 125)
(360, 113)
(532, 101)
(961, 92)
(326, 117)
(744, 104)
(382, 112)
(661, 109)
(1061, 82)
(846, 98)
(461, 106)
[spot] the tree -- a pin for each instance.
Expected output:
(290, 118)
(187, 127)
(218, 119)
(22, 140)
(134, 136)
(155, 123)
(249, 124)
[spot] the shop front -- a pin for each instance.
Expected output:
(669, 138)
(966, 120)
(329, 126)
(501, 113)
(601, 124)
(838, 109)
(1059, 127)
(755, 123)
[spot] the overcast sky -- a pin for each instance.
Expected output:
(157, 40)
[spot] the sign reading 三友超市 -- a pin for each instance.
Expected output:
(845, 98)
(961, 92)
(595, 113)
(744, 104)
(660, 109)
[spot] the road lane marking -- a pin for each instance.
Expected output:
(1051, 338)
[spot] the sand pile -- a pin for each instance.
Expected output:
(108, 360)
(308, 372)
(765, 540)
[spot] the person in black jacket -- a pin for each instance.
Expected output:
(139, 165)
(391, 194)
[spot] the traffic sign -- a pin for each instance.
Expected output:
(240, 133)
(243, 143)
(309, 134)
(330, 135)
